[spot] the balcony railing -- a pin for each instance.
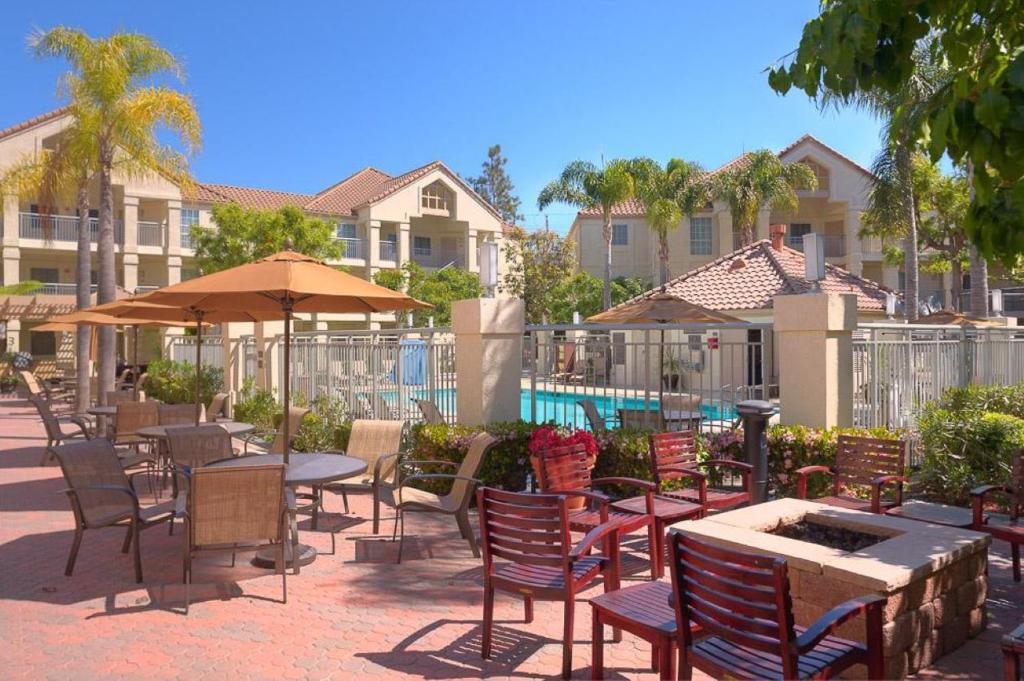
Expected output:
(433, 258)
(151, 233)
(55, 289)
(61, 228)
(354, 248)
(389, 251)
(835, 244)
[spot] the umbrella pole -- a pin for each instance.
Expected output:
(286, 305)
(199, 360)
(135, 359)
(661, 380)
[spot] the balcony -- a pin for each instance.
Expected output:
(54, 289)
(151, 233)
(61, 228)
(354, 248)
(432, 258)
(389, 251)
(835, 244)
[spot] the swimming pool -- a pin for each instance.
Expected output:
(562, 408)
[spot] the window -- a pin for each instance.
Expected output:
(189, 218)
(42, 343)
(700, 236)
(620, 235)
(46, 275)
(345, 230)
(435, 197)
(421, 245)
(618, 348)
(795, 235)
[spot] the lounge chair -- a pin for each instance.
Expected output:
(598, 423)
(431, 414)
(218, 408)
(40, 389)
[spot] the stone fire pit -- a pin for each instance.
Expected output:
(933, 575)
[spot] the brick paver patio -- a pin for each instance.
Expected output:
(354, 612)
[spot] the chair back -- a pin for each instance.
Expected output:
(89, 463)
(741, 597)
(671, 450)
(859, 460)
(295, 416)
(431, 414)
(236, 505)
(116, 397)
(217, 407)
(594, 417)
(134, 415)
(177, 414)
(50, 422)
(370, 440)
(195, 446)
(565, 469)
(141, 384)
(461, 490)
(640, 419)
(31, 382)
(526, 529)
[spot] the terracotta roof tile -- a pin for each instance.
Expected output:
(395, 183)
(811, 138)
(42, 118)
(354, 190)
(748, 279)
(266, 199)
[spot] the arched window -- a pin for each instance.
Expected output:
(821, 172)
(436, 197)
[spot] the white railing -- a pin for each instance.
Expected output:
(183, 349)
(835, 244)
(150, 233)
(54, 289)
(692, 375)
(389, 251)
(61, 228)
(898, 368)
(354, 248)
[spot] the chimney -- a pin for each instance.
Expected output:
(777, 233)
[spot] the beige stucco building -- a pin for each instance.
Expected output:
(427, 215)
(834, 210)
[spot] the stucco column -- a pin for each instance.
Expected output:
(174, 227)
(12, 265)
(488, 358)
(472, 261)
(131, 225)
(404, 242)
(229, 346)
(854, 247)
(814, 332)
(262, 360)
(373, 232)
(9, 233)
(724, 232)
(131, 271)
(173, 269)
(761, 228)
(13, 340)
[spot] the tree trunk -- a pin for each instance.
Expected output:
(746, 235)
(957, 289)
(978, 265)
(83, 289)
(911, 297)
(607, 261)
(107, 280)
(663, 253)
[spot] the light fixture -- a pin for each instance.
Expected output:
(576, 317)
(489, 267)
(814, 260)
(997, 302)
(890, 304)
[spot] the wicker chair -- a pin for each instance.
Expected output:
(177, 414)
(102, 495)
(378, 443)
(218, 407)
(231, 509)
(55, 433)
(431, 414)
(407, 499)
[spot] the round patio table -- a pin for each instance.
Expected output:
(305, 470)
(234, 428)
(106, 410)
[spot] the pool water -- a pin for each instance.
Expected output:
(563, 410)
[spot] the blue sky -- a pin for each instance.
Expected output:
(297, 95)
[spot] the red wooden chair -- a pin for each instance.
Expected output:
(741, 602)
(530, 534)
(861, 462)
(1012, 531)
(674, 456)
(566, 470)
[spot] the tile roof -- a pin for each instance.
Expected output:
(252, 198)
(627, 209)
(811, 138)
(354, 190)
(42, 118)
(748, 279)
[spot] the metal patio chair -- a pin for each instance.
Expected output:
(55, 433)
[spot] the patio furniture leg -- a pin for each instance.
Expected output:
(654, 547)
(376, 510)
(876, 660)
(401, 538)
(293, 525)
(127, 544)
(467, 532)
(667, 662)
(344, 500)
(1015, 553)
(528, 609)
(485, 644)
(1011, 666)
(75, 543)
(137, 551)
(284, 571)
(567, 629)
(316, 507)
(597, 646)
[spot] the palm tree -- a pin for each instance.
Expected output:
(585, 186)
(67, 167)
(116, 103)
(762, 180)
(679, 189)
(978, 266)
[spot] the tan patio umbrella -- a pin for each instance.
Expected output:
(661, 308)
(276, 287)
(950, 317)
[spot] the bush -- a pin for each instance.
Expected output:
(1000, 399)
(965, 448)
(256, 406)
(505, 467)
(175, 382)
(325, 428)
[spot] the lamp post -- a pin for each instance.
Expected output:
(489, 267)
(755, 415)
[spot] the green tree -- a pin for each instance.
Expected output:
(117, 101)
(976, 118)
(440, 288)
(585, 186)
(668, 194)
(582, 292)
(762, 181)
(944, 201)
(496, 187)
(539, 262)
(244, 235)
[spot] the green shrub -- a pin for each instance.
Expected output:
(325, 428)
(256, 406)
(175, 382)
(1000, 399)
(505, 467)
(965, 448)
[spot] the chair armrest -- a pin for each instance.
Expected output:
(827, 623)
(876, 490)
(78, 421)
(181, 504)
(982, 490)
(590, 539)
(73, 491)
(289, 499)
(978, 502)
(378, 465)
(436, 476)
(646, 485)
(418, 462)
(729, 463)
(685, 472)
(801, 478)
